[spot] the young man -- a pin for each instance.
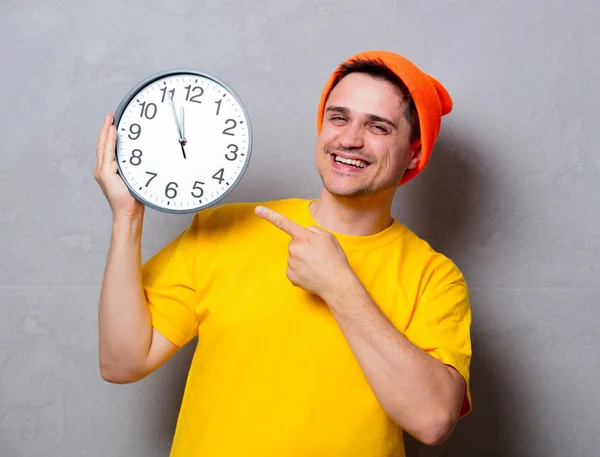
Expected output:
(324, 327)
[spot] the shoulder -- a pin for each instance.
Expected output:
(436, 267)
(440, 288)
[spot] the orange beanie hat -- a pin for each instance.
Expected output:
(431, 100)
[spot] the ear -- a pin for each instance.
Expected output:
(414, 154)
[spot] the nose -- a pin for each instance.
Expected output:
(351, 136)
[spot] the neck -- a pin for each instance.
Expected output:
(355, 216)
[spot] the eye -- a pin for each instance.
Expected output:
(379, 129)
(337, 119)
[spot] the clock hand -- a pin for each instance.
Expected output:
(176, 119)
(182, 140)
(182, 125)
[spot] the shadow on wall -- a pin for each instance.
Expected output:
(447, 205)
(448, 202)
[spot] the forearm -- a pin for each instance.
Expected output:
(125, 328)
(416, 390)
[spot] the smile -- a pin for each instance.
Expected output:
(352, 162)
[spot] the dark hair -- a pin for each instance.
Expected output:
(378, 69)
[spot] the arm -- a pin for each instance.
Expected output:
(129, 348)
(418, 392)
(421, 394)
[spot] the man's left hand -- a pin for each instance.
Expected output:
(317, 262)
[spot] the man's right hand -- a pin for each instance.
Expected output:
(129, 347)
(122, 203)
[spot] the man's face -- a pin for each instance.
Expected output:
(364, 147)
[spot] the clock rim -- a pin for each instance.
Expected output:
(146, 82)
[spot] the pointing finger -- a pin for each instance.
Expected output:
(281, 222)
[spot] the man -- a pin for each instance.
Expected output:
(324, 327)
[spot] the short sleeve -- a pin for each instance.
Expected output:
(441, 321)
(169, 286)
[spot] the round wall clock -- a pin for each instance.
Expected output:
(184, 140)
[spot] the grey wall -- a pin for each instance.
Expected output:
(511, 194)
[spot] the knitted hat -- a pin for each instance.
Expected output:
(431, 100)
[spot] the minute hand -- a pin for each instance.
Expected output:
(181, 139)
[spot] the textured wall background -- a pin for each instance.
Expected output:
(511, 194)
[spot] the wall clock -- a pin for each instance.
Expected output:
(184, 140)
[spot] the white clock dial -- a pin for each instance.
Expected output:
(184, 140)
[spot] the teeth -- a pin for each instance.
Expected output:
(356, 163)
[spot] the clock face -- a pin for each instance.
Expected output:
(183, 141)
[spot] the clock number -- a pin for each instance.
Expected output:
(193, 99)
(147, 109)
(197, 185)
(137, 133)
(135, 159)
(226, 131)
(171, 192)
(154, 175)
(219, 175)
(164, 91)
(234, 152)
(218, 102)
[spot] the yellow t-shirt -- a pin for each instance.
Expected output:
(272, 374)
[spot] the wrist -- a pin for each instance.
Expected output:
(128, 225)
(344, 290)
(128, 218)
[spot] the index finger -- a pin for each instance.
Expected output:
(281, 222)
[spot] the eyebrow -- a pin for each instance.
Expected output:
(371, 117)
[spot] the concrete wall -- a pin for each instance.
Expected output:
(511, 194)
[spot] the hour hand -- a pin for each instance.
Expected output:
(182, 125)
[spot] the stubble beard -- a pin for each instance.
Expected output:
(359, 191)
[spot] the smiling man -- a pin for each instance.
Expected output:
(325, 327)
